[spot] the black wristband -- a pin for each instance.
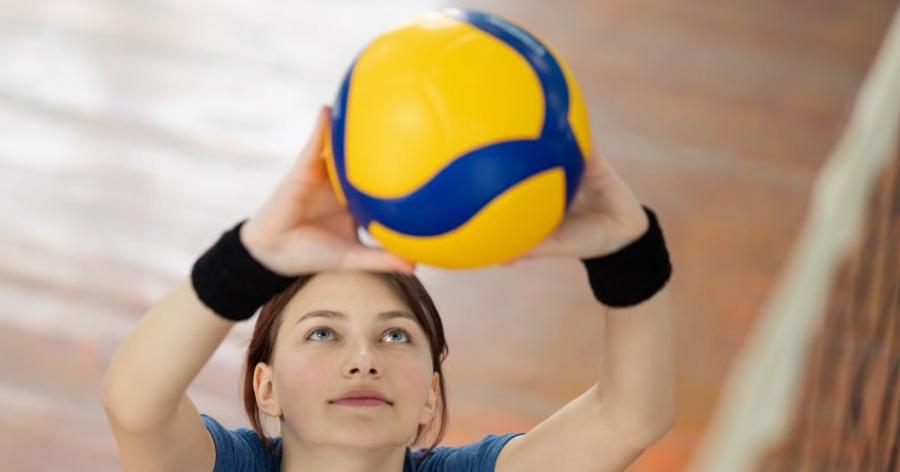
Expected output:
(634, 273)
(231, 282)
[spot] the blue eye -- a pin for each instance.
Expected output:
(404, 333)
(403, 338)
(319, 330)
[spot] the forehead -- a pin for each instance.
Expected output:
(354, 294)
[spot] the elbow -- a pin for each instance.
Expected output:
(116, 413)
(107, 392)
(122, 408)
(658, 427)
(648, 428)
(654, 427)
(113, 392)
(106, 389)
(657, 419)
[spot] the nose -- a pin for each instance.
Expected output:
(362, 362)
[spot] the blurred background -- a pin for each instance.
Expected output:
(134, 133)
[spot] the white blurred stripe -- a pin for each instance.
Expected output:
(760, 394)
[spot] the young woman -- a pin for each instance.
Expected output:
(347, 349)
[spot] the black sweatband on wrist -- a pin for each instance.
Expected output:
(634, 273)
(231, 282)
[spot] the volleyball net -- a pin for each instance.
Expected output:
(817, 384)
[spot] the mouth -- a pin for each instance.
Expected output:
(361, 402)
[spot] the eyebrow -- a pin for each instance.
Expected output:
(336, 315)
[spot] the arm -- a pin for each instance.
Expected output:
(632, 404)
(155, 423)
(300, 229)
(636, 386)
(170, 344)
(610, 425)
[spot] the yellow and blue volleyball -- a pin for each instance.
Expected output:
(458, 139)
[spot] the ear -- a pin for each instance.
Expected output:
(266, 396)
(431, 404)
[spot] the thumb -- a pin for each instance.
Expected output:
(313, 148)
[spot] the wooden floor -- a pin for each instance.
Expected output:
(133, 133)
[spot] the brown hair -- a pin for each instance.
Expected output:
(408, 287)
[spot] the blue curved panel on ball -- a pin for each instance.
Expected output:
(472, 180)
(553, 82)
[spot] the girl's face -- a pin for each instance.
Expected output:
(346, 331)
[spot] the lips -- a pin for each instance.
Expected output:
(362, 396)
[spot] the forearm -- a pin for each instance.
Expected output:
(157, 361)
(637, 379)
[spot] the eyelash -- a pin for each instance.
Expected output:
(323, 328)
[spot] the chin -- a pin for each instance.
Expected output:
(369, 436)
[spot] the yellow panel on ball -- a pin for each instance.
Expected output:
(419, 99)
(508, 226)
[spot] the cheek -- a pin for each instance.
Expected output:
(413, 378)
(306, 380)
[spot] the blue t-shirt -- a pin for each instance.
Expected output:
(241, 450)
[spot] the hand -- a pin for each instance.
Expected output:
(604, 217)
(302, 228)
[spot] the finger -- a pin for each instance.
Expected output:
(594, 166)
(308, 169)
(313, 148)
(547, 248)
(323, 203)
(363, 258)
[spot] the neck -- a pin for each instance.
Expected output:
(322, 458)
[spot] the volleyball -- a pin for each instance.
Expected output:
(458, 139)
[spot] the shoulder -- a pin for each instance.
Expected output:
(240, 448)
(478, 456)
